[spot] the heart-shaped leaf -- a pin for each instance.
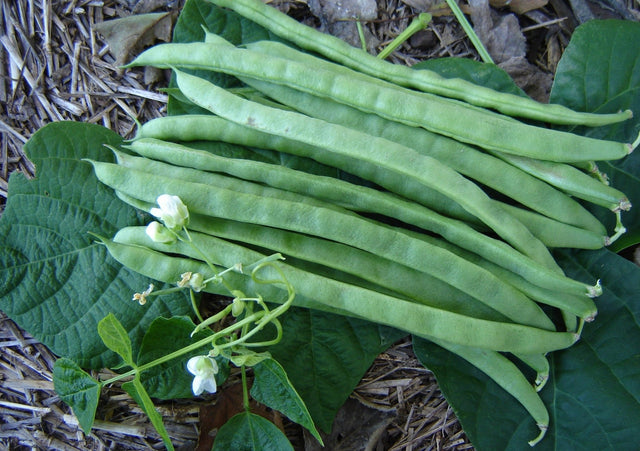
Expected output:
(56, 282)
(78, 389)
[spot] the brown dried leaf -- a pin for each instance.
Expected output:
(519, 6)
(500, 34)
(129, 35)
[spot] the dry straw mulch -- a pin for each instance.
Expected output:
(56, 67)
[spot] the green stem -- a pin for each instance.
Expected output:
(468, 29)
(418, 24)
(195, 306)
(245, 389)
(192, 347)
(363, 41)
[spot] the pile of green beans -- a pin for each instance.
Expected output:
(443, 228)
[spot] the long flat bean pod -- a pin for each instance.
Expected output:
(557, 234)
(486, 169)
(507, 376)
(356, 197)
(384, 155)
(571, 180)
(429, 81)
(213, 128)
(449, 118)
(581, 306)
(405, 281)
(336, 296)
(332, 225)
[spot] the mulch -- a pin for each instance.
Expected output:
(55, 67)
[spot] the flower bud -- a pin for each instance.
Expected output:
(159, 233)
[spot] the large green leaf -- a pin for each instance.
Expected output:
(593, 394)
(600, 72)
(56, 282)
(596, 382)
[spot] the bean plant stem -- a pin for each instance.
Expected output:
(418, 24)
(468, 29)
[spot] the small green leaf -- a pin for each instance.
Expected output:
(115, 338)
(135, 389)
(273, 388)
(246, 357)
(247, 431)
(78, 390)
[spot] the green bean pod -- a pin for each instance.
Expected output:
(486, 169)
(428, 81)
(555, 234)
(213, 128)
(540, 364)
(385, 156)
(334, 296)
(581, 306)
(449, 118)
(507, 376)
(355, 197)
(571, 180)
(330, 224)
(381, 273)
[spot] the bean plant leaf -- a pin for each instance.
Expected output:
(593, 384)
(248, 431)
(272, 387)
(599, 72)
(56, 282)
(325, 356)
(78, 389)
(136, 390)
(171, 380)
(115, 337)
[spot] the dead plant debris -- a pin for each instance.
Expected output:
(55, 66)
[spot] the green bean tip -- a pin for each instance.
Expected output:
(541, 381)
(595, 290)
(543, 430)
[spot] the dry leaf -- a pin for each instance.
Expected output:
(128, 36)
(500, 34)
(519, 6)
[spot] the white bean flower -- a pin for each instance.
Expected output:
(204, 370)
(172, 212)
